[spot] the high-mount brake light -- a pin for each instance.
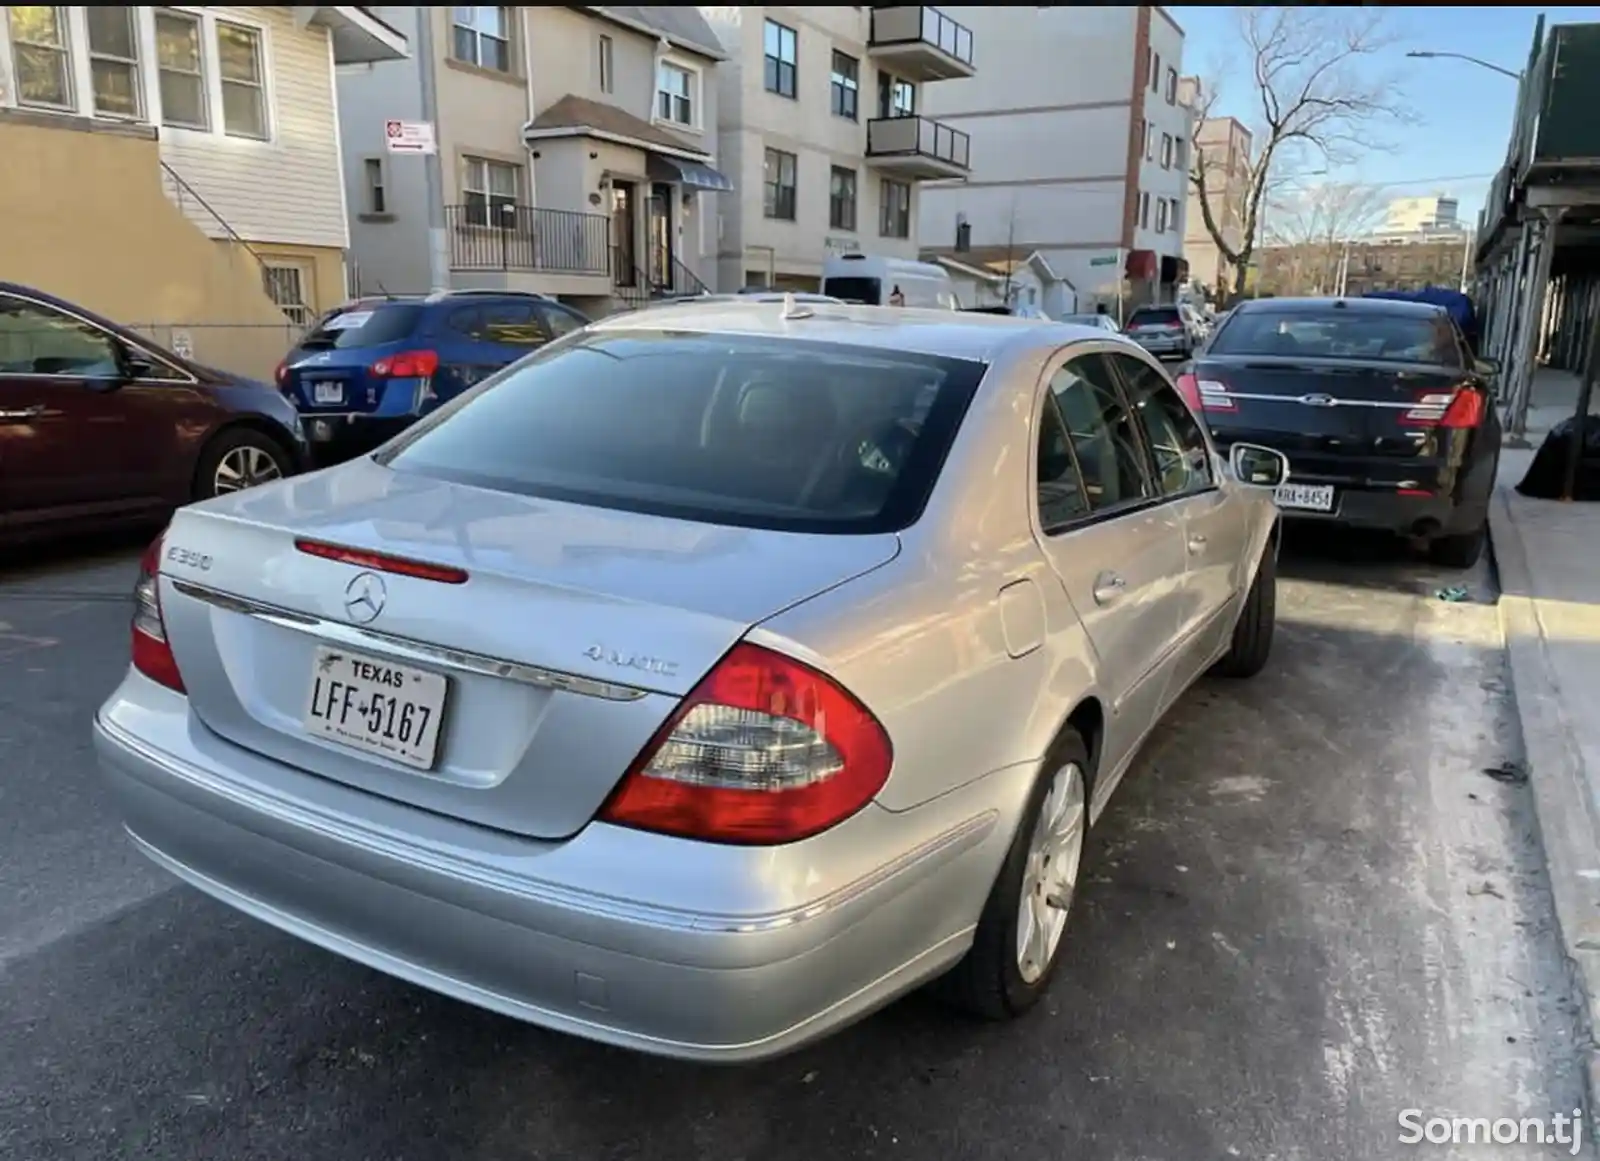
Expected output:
(151, 652)
(383, 562)
(764, 750)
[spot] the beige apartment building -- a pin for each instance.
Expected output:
(1225, 145)
(822, 130)
(574, 153)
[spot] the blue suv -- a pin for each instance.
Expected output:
(367, 370)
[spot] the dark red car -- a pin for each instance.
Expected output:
(101, 427)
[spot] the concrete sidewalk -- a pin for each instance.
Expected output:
(1548, 555)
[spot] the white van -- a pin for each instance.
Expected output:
(873, 281)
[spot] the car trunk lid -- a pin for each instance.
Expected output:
(1333, 417)
(565, 641)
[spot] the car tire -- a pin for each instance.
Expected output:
(998, 978)
(240, 454)
(1460, 551)
(1252, 634)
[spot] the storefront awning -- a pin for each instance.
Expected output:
(691, 174)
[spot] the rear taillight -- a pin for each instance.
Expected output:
(281, 375)
(1205, 394)
(1462, 408)
(764, 750)
(152, 655)
(406, 365)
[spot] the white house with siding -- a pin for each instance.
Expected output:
(203, 147)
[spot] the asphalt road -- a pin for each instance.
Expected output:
(1310, 908)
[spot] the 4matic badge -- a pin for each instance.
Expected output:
(608, 656)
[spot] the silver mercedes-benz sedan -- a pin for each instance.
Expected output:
(706, 679)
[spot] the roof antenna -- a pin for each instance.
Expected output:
(792, 309)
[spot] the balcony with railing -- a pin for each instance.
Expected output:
(918, 148)
(920, 43)
(494, 236)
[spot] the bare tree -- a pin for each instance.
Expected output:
(1313, 224)
(1315, 106)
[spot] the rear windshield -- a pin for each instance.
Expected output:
(724, 429)
(364, 326)
(1385, 336)
(1160, 317)
(863, 290)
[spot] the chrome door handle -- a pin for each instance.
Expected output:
(1197, 543)
(1108, 586)
(23, 414)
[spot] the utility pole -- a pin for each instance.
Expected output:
(1466, 259)
(1011, 238)
(433, 176)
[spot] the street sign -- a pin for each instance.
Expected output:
(1104, 260)
(409, 136)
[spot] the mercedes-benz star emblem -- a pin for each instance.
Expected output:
(364, 597)
(1319, 401)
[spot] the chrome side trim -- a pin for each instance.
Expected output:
(358, 637)
(1326, 401)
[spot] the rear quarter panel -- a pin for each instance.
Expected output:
(923, 641)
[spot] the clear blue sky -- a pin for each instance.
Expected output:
(1464, 111)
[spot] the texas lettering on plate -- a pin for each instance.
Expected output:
(373, 704)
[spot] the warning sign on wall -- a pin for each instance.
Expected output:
(409, 136)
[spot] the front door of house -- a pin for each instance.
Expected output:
(659, 216)
(625, 260)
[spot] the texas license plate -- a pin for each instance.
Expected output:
(1315, 498)
(375, 705)
(327, 391)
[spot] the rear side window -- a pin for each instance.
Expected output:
(1182, 461)
(1332, 333)
(862, 290)
(365, 326)
(718, 428)
(1102, 432)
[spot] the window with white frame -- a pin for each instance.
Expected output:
(675, 93)
(1149, 141)
(181, 71)
(1166, 151)
(287, 284)
(114, 61)
(1161, 215)
(244, 95)
(489, 191)
(482, 36)
(894, 210)
(41, 55)
(1144, 211)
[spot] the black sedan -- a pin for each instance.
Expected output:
(1387, 419)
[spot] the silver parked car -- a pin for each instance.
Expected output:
(706, 679)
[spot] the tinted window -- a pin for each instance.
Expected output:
(1182, 462)
(511, 324)
(730, 429)
(39, 340)
(864, 290)
(1334, 333)
(1060, 489)
(365, 326)
(1158, 317)
(1102, 433)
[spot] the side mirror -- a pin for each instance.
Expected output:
(1486, 366)
(1258, 466)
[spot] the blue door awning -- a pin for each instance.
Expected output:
(691, 174)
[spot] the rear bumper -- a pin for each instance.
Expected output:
(1424, 516)
(1177, 345)
(333, 438)
(614, 935)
